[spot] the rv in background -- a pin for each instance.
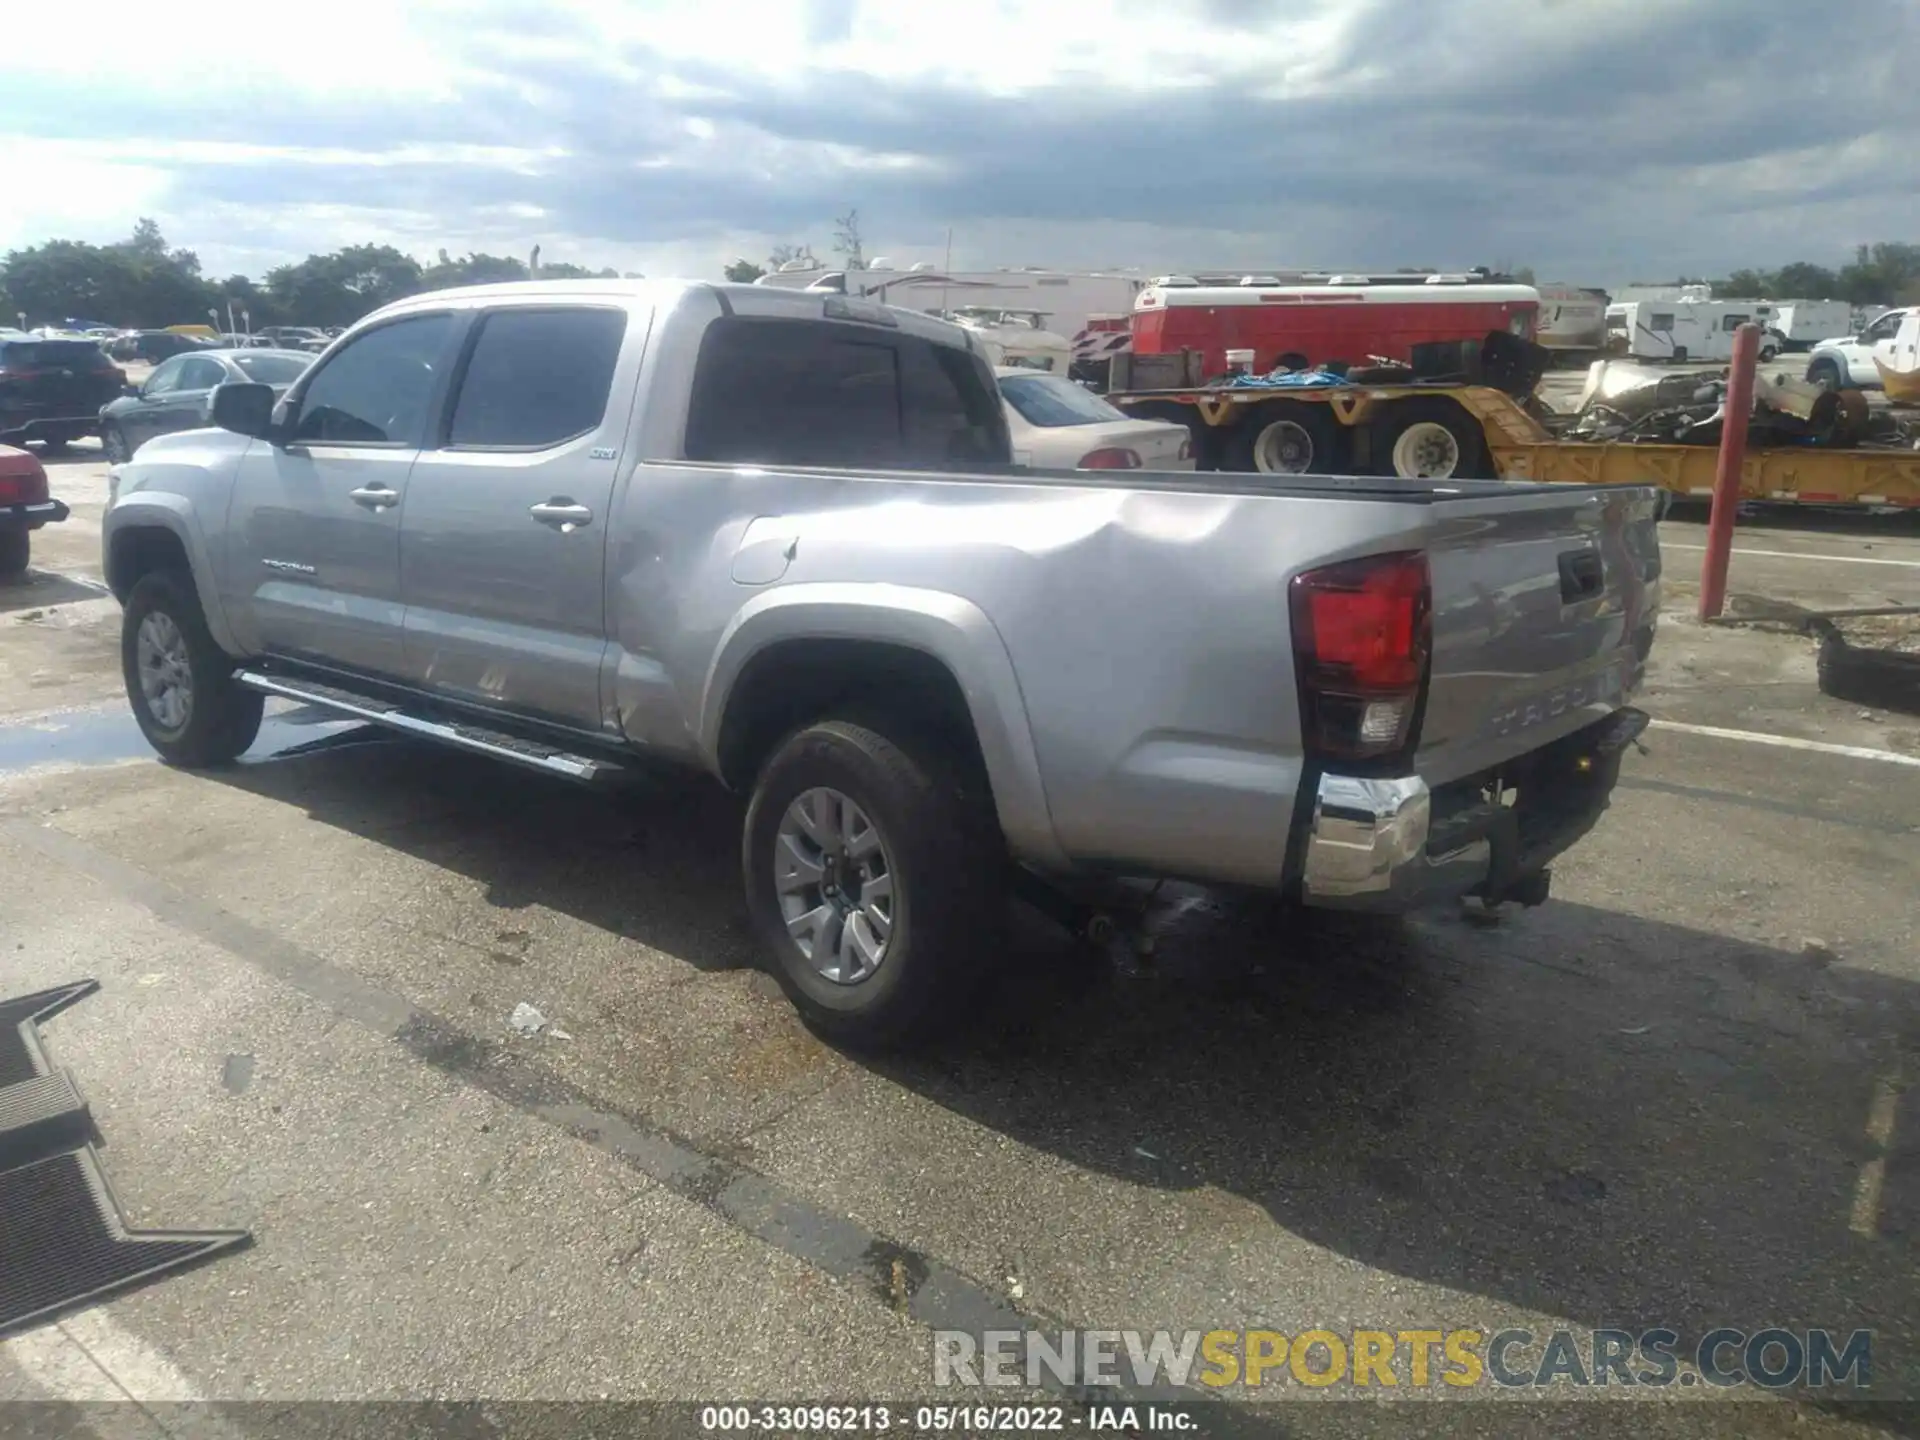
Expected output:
(1068, 298)
(1692, 327)
(1803, 324)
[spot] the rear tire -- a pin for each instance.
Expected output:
(1285, 438)
(15, 547)
(876, 879)
(56, 447)
(1428, 440)
(179, 681)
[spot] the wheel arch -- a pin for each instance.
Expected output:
(148, 531)
(793, 652)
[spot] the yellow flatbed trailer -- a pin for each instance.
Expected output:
(1233, 426)
(1522, 449)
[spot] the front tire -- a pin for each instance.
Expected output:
(876, 879)
(114, 447)
(59, 445)
(179, 681)
(15, 547)
(1824, 373)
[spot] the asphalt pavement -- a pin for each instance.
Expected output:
(1675, 1095)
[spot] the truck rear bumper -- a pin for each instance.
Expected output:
(31, 515)
(1393, 844)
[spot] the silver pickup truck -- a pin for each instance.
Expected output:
(777, 536)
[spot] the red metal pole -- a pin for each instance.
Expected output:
(1726, 479)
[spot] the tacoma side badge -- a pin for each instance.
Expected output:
(601, 453)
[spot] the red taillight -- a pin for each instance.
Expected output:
(1114, 457)
(23, 479)
(1362, 633)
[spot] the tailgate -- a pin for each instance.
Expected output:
(1544, 605)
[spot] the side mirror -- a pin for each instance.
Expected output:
(244, 408)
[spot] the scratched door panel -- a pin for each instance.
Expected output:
(503, 545)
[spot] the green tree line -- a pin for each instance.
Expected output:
(1883, 274)
(141, 282)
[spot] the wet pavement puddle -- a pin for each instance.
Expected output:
(107, 734)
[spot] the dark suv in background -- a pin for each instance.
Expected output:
(153, 346)
(52, 390)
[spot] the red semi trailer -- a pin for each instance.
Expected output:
(1342, 318)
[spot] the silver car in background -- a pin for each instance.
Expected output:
(1059, 425)
(178, 395)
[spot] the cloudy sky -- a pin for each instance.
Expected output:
(1599, 141)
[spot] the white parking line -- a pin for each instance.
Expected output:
(139, 1369)
(58, 1368)
(1797, 555)
(89, 1357)
(1791, 742)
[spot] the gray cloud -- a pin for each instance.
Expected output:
(1618, 138)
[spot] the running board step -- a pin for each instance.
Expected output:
(459, 733)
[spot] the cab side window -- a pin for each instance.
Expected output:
(377, 390)
(537, 378)
(805, 392)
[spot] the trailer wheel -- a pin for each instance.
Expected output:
(1285, 438)
(1428, 440)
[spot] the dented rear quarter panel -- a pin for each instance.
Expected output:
(1126, 654)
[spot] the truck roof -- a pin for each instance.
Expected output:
(744, 299)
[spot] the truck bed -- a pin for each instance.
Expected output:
(1226, 482)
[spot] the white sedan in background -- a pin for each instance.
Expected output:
(1058, 425)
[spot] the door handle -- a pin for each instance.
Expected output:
(374, 497)
(561, 512)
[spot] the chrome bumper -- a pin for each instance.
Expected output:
(1367, 848)
(1373, 844)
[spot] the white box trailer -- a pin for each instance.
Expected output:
(1802, 324)
(1573, 319)
(1694, 328)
